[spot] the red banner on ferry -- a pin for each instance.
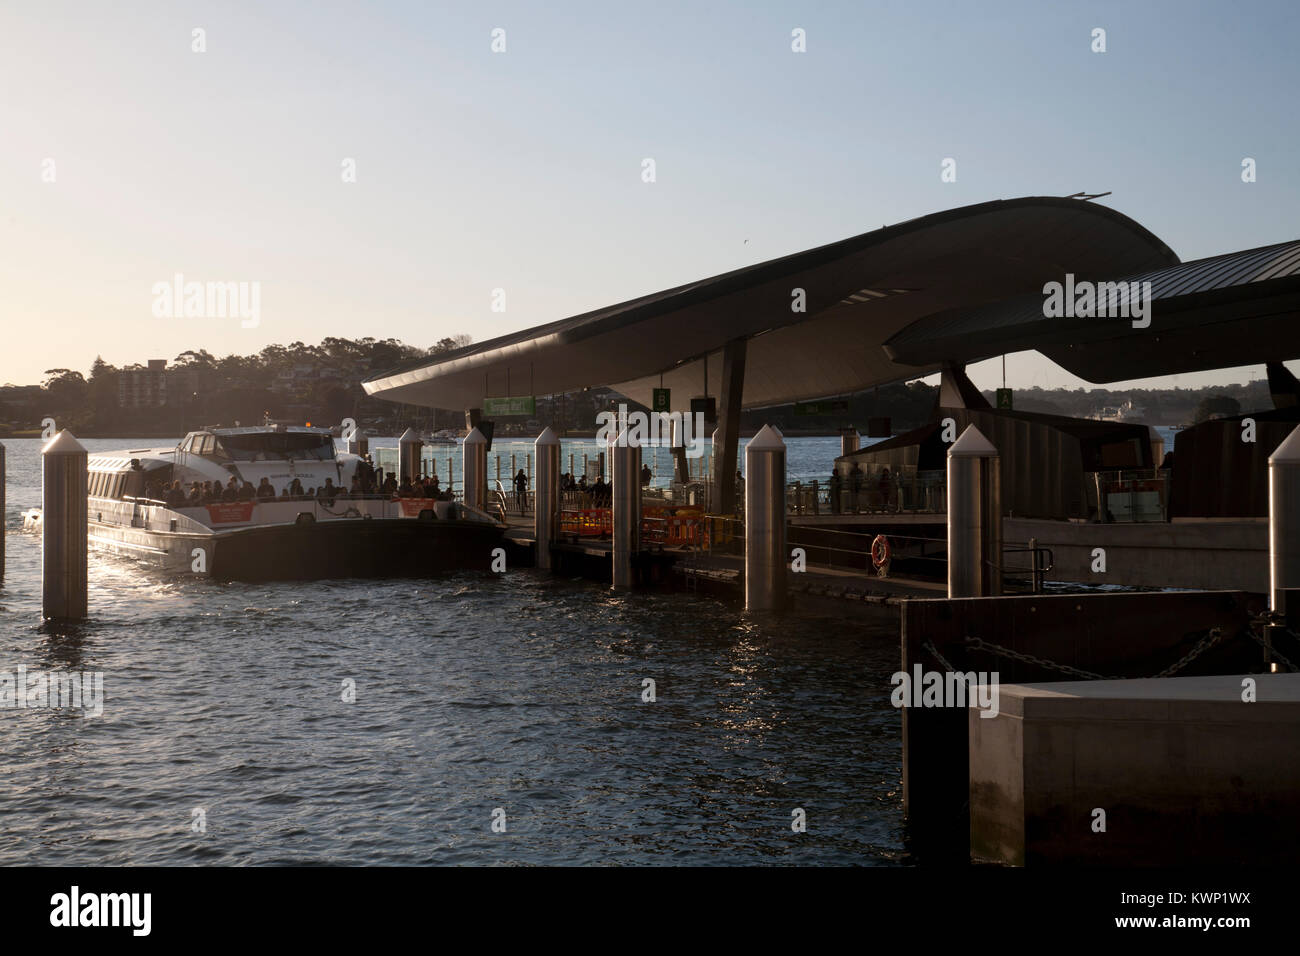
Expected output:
(411, 507)
(227, 511)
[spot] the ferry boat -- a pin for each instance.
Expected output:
(280, 537)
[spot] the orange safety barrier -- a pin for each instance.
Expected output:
(722, 528)
(674, 527)
(587, 522)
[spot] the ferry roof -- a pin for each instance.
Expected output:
(859, 292)
(267, 430)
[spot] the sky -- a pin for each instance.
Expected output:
(128, 156)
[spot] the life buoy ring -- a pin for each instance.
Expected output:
(881, 552)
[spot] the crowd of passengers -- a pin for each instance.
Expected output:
(367, 481)
(599, 491)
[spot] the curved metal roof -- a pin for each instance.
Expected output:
(858, 292)
(1219, 312)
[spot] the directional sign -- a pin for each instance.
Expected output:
(518, 405)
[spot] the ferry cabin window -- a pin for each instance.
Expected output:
(262, 446)
(208, 445)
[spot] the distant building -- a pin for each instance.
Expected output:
(294, 380)
(183, 381)
(143, 387)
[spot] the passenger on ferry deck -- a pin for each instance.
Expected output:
(327, 492)
(295, 488)
(265, 489)
(435, 491)
(247, 492)
(175, 495)
(521, 489)
(211, 491)
(231, 492)
(390, 486)
(196, 495)
(366, 473)
(356, 485)
(404, 490)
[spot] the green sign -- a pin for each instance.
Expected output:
(501, 407)
(821, 408)
(1004, 398)
(661, 403)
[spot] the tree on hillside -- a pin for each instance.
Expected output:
(66, 389)
(200, 359)
(103, 392)
(1217, 406)
(450, 343)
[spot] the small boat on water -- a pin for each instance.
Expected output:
(134, 511)
(444, 437)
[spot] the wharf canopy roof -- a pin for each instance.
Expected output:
(859, 292)
(1222, 312)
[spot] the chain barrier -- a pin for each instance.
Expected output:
(1212, 637)
(934, 651)
(976, 643)
(1215, 635)
(1263, 620)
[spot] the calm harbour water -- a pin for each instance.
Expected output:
(521, 692)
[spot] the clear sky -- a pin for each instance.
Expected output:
(521, 170)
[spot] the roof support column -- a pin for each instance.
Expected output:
(733, 382)
(473, 418)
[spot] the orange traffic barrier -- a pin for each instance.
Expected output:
(586, 522)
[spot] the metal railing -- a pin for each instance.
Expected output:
(1041, 562)
(910, 494)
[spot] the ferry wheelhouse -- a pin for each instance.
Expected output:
(289, 535)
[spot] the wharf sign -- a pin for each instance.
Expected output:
(821, 408)
(505, 407)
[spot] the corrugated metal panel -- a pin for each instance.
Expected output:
(1189, 278)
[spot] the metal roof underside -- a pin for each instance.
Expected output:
(860, 292)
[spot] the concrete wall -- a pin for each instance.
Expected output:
(1230, 554)
(1185, 771)
(1120, 633)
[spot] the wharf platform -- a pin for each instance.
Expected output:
(819, 588)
